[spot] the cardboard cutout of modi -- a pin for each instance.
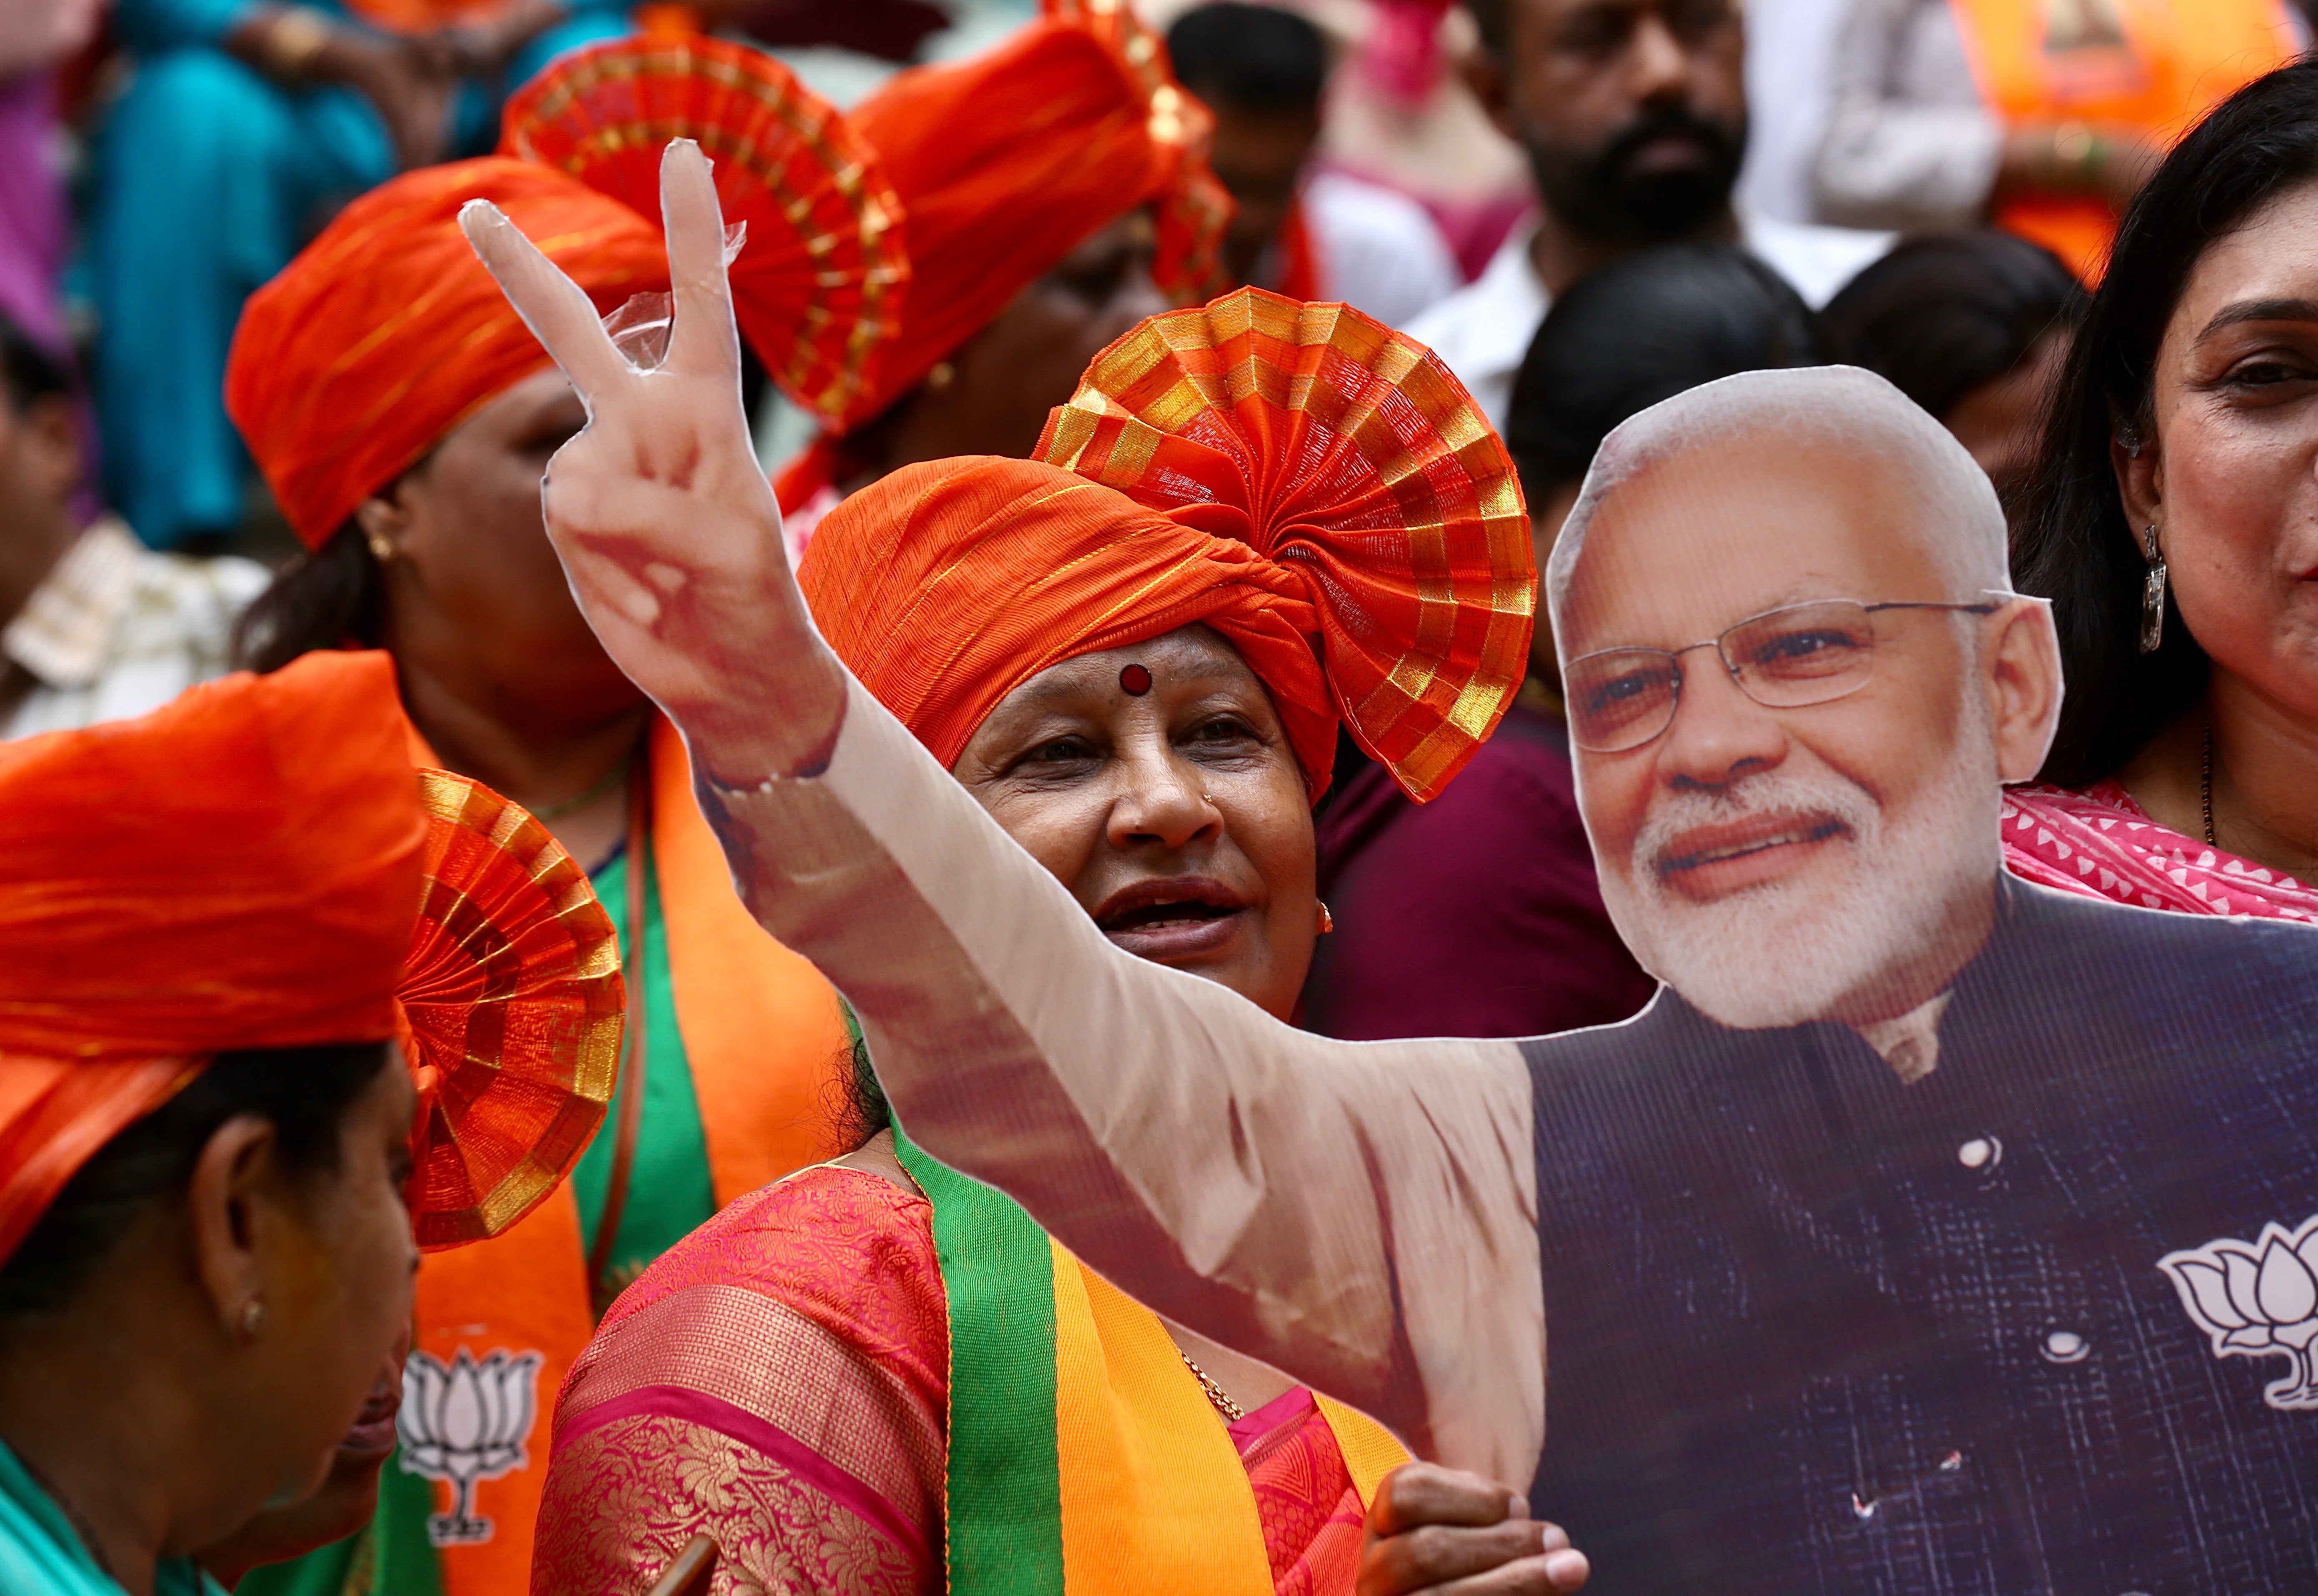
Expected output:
(1875, 1248)
(1929, 1231)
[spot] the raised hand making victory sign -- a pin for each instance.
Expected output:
(665, 522)
(672, 540)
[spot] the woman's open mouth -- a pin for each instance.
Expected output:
(1176, 918)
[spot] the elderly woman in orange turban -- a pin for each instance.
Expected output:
(215, 924)
(402, 414)
(1055, 191)
(1255, 523)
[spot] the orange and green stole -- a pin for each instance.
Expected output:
(1085, 1459)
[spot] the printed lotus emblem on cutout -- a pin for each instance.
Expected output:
(464, 1422)
(2258, 1299)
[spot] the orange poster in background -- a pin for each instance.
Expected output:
(2156, 65)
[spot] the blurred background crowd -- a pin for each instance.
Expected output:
(260, 404)
(1446, 168)
(1583, 206)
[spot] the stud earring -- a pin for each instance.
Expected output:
(942, 375)
(1327, 921)
(2153, 593)
(381, 548)
(252, 1318)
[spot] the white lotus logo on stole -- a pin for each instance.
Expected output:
(2258, 1300)
(466, 1422)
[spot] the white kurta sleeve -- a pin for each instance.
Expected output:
(1362, 1216)
(1909, 144)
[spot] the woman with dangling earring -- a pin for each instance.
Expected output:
(2175, 528)
(217, 1166)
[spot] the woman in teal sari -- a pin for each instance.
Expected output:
(215, 922)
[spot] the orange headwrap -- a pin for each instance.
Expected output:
(256, 865)
(1007, 161)
(1313, 485)
(386, 330)
(818, 285)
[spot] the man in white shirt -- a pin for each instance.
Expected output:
(1311, 235)
(1634, 117)
(93, 626)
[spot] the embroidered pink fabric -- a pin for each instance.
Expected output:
(780, 1379)
(2100, 843)
(1305, 1496)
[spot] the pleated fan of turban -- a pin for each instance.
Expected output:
(822, 273)
(1317, 488)
(258, 866)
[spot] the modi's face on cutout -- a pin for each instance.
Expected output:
(1787, 809)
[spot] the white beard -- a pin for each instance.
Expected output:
(1790, 951)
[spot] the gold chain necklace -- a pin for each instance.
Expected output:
(1230, 1410)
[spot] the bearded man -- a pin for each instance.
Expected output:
(1932, 1231)
(1633, 116)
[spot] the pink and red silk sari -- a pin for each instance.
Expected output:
(779, 1380)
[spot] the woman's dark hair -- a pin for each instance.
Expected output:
(326, 598)
(1249, 57)
(2073, 546)
(305, 1091)
(31, 372)
(1641, 330)
(1941, 316)
(861, 1110)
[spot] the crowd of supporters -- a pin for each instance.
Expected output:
(1047, 321)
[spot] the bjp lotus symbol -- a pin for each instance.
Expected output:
(2258, 1300)
(465, 1422)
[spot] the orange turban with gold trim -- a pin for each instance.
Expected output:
(257, 866)
(1313, 485)
(386, 331)
(820, 277)
(1007, 161)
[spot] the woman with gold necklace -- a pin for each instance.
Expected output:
(1134, 651)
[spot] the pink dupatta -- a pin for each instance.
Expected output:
(2099, 842)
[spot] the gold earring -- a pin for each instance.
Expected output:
(2152, 594)
(1327, 921)
(381, 548)
(942, 375)
(252, 1318)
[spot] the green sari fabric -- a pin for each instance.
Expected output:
(1003, 1496)
(41, 1551)
(670, 1191)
